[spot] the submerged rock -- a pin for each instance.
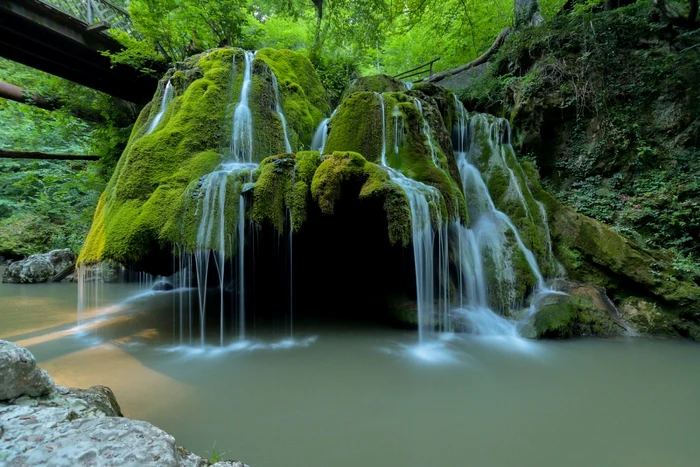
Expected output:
(40, 267)
(19, 374)
(103, 272)
(162, 284)
(75, 426)
(583, 310)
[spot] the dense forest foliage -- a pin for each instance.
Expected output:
(48, 204)
(593, 76)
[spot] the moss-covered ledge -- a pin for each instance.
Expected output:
(144, 208)
(594, 253)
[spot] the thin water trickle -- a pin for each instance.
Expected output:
(318, 143)
(425, 127)
(168, 95)
(242, 130)
(280, 113)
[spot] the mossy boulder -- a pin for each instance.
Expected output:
(410, 142)
(157, 179)
(288, 183)
(594, 253)
(649, 317)
(582, 311)
(375, 83)
(304, 100)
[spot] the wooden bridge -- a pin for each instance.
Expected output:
(66, 38)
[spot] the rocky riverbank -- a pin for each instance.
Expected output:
(49, 425)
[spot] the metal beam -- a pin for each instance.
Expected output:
(51, 40)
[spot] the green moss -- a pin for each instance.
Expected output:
(573, 316)
(151, 200)
(354, 127)
(342, 167)
(279, 189)
(357, 126)
(305, 102)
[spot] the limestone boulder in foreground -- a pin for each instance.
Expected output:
(48, 425)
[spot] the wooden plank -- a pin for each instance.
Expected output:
(7, 154)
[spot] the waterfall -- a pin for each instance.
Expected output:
(398, 129)
(486, 240)
(278, 109)
(318, 143)
(212, 236)
(242, 141)
(422, 235)
(213, 206)
(168, 95)
(426, 131)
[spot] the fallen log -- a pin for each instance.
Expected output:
(63, 274)
(24, 96)
(18, 94)
(476, 62)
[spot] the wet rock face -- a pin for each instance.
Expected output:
(19, 374)
(40, 267)
(43, 424)
(582, 310)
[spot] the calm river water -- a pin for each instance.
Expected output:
(349, 396)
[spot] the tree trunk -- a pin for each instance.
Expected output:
(18, 94)
(316, 49)
(15, 93)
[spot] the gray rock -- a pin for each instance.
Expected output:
(229, 464)
(19, 374)
(40, 267)
(102, 272)
(71, 427)
(33, 436)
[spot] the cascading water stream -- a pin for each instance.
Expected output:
(422, 236)
(242, 131)
(278, 109)
(318, 143)
(211, 233)
(486, 238)
(212, 236)
(168, 95)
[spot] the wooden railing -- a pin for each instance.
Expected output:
(417, 71)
